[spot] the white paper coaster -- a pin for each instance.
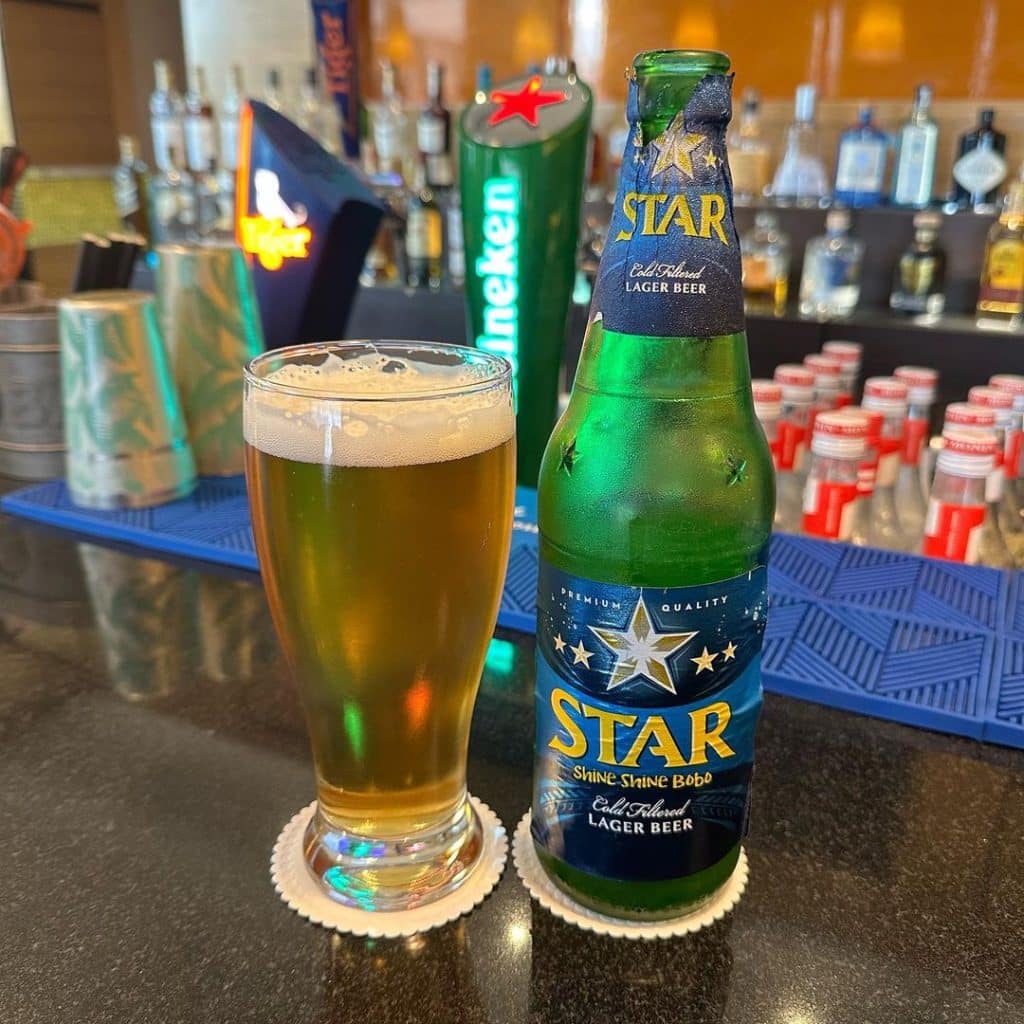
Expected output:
(551, 898)
(296, 885)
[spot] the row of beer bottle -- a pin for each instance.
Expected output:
(856, 473)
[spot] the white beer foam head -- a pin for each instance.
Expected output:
(333, 413)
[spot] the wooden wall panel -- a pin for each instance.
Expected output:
(59, 82)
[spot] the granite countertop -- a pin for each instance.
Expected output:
(151, 749)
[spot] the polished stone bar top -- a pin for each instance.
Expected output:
(151, 749)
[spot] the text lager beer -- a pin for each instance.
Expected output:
(381, 480)
(655, 510)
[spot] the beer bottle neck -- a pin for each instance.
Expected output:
(668, 369)
(671, 262)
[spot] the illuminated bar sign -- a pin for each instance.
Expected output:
(498, 271)
(277, 230)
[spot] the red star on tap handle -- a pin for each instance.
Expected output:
(524, 103)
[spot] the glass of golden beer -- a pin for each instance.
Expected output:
(381, 478)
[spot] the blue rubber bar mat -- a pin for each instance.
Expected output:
(913, 640)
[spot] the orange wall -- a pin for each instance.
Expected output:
(852, 49)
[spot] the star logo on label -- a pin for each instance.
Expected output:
(704, 661)
(729, 651)
(641, 651)
(558, 642)
(525, 103)
(675, 148)
(580, 655)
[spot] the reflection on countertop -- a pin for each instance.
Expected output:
(151, 748)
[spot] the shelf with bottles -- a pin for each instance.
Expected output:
(871, 166)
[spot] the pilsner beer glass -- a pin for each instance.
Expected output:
(381, 480)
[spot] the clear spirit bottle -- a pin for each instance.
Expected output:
(166, 120)
(916, 146)
(860, 163)
(390, 124)
(800, 177)
(200, 141)
(888, 396)
(830, 283)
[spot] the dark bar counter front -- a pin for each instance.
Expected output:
(151, 749)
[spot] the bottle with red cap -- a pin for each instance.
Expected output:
(768, 410)
(860, 533)
(921, 382)
(960, 525)
(1012, 511)
(888, 396)
(849, 355)
(830, 495)
(790, 450)
(827, 385)
(1009, 514)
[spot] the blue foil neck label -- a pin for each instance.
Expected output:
(671, 262)
(646, 703)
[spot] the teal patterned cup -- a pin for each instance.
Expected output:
(212, 328)
(127, 445)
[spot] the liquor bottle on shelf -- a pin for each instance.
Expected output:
(455, 243)
(849, 354)
(390, 124)
(765, 255)
(423, 234)
(919, 279)
(961, 524)
(980, 167)
(916, 146)
(309, 114)
(749, 155)
(230, 110)
(830, 283)
(273, 92)
(166, 120)
(867, 474)
(130, 186)
(483, 83)
(172, 202)
(1011, 517)
(1001, 295)
(838, 447)
(200, 143)
(768, 410)
(921, 383)
(656, 372)
(800, 177)
(791, 445)
(434, 130)
(860, 163)
(888, 396)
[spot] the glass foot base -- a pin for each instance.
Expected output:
(370, 873)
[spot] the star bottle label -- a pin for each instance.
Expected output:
(646, 703)
(671, 263)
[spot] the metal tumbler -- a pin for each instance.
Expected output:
(212, 328)
(127, 445)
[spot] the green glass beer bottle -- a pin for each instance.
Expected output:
(655, 509)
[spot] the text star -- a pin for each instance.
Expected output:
(581, 655)
(704, 661)
(559, 642)
(640, 650)
(675, 148)
(730, 651)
